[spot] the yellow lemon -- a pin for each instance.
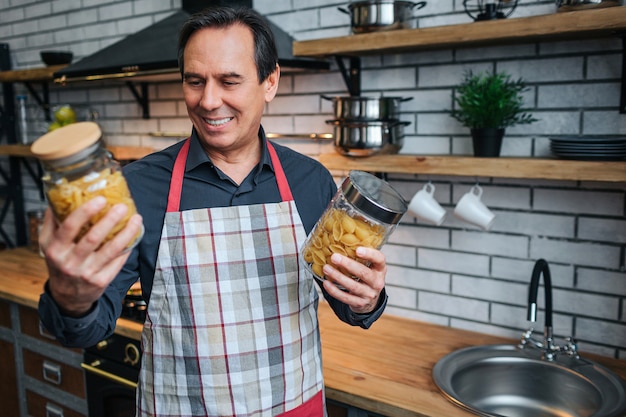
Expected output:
(65, 115)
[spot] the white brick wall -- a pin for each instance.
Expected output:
(455, 274)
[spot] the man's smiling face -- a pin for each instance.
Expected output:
(224, 97)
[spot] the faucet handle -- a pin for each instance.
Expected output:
(571, 347)
(527, 337)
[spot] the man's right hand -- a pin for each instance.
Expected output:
(79, 272)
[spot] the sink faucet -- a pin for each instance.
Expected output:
(547, 346)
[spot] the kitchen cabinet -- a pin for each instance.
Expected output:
(52, 379)
(8, 371)
(40, 378)
(39, 406)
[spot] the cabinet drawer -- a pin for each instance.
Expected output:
(5, 314)
(31, 326)
(54, 373)
(39, 406)
(9, 404)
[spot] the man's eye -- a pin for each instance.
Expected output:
(194, 82)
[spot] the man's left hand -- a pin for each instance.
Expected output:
(361, 284)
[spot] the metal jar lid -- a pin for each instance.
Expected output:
(373, 197)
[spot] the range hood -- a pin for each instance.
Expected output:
(153, 50)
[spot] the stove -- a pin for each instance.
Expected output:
(111, 374)
(112, 365)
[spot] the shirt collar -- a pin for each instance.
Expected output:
(197, 156)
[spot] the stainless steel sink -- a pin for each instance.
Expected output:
(504, 380)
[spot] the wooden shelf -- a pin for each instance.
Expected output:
(122, 153)
(30, 75)
(527, 168)
(591, 23)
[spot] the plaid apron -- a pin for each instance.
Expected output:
(231, 328)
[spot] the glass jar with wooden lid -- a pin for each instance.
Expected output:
(77, 168)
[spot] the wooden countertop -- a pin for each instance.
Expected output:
(386, 369)
(22, 275)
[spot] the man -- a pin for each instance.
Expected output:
(231, 328)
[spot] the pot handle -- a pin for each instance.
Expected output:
(399, 123)
(406, 99)
(341, 9)
(325, 97)
(419, 5)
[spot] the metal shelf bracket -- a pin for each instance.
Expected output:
(351, 76)
(44, 102)
(142, 98)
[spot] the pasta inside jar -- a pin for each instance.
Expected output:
(65, 196)
(338, 232)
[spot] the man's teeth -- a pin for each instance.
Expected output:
(218, 122)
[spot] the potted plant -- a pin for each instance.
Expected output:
(488, 103)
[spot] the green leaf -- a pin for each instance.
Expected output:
(490, 100)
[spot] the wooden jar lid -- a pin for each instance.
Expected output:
(66, 141)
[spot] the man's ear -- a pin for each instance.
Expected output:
(271, 84)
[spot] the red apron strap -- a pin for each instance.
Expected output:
(281, 179)
(178, 174)
(176, 182)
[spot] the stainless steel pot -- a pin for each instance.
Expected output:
(379, 15)
(360, 108)
(368, 138)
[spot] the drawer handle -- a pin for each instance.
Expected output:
(93, 368)
(45, 333)
(52, 372)
(53, 411)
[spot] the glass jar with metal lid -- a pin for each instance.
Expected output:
(78, 167)
(364, 212)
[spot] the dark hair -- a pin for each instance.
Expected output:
(265, 57)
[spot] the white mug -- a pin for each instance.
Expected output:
(472, 210)
(424, 206)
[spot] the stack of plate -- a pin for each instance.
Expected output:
(601, 148)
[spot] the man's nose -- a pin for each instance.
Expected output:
(211, 96)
